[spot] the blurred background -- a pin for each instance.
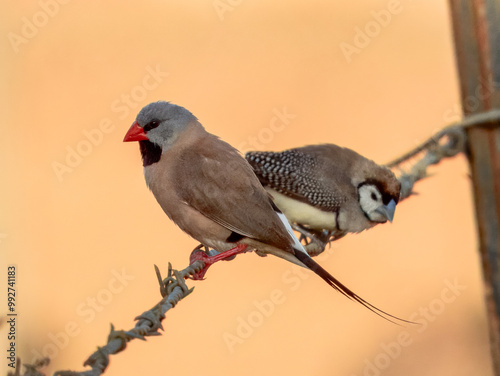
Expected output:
(82, 228)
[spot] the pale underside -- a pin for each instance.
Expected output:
(300, 212)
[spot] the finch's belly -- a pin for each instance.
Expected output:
(303, 213)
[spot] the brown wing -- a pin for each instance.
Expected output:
(222, 186)
(298, 173)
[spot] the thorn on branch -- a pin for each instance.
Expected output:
(172, 289)
(31, 369)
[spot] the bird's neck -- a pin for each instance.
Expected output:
(150, 152)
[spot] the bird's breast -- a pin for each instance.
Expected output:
(163, 186)
(300, 212)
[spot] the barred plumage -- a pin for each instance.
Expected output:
(294, 174)
(327, 186)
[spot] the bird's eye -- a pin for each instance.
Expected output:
(151, 125)
(374, 196)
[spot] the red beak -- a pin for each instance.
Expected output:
(135, 133)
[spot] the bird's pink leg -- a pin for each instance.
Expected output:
(199, 255)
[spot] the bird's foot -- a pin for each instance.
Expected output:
(314, 240)
(199, 255)
(314, 249)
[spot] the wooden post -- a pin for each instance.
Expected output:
(476, 27)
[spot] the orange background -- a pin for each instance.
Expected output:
(69, 234)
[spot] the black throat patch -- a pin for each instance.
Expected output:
(151, 153)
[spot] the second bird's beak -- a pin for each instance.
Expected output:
(135, 133)
(387, 210)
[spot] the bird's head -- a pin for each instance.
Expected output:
(160, 123)
(378, 196)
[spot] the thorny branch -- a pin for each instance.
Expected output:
(173, 289)
(445, 144)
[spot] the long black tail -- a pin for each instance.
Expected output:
(340, 287)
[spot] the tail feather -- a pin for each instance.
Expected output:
(340, 287)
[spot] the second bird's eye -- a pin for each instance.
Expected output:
(374, 196)
(151, 125)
